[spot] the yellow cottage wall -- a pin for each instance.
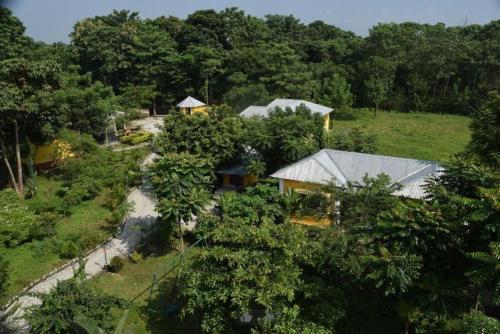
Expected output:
(202, 110)
(303, 187)
(326, 121)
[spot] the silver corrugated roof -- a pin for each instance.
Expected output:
(341, 167)
(254, 111)
(190, 102)
(263, 111)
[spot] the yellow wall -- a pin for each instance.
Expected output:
(312, 221)
(299, 186)
(249, 180)
(326, 121)
(202, 110)
(55, 151)
(302, 187)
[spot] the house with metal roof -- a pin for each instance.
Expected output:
(264, 111)
(408, 176)
(190, 105)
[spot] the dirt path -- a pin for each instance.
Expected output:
(142, 215)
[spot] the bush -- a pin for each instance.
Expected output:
(18, 224)
(136, 138)
(355, 140)
(4, 272)
(69, 249)
(116, 264)
(135, 257)
(46, 222)
(479, 323)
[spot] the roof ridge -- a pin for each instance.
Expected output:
(410, 175)
(335, 164)
(429, 162)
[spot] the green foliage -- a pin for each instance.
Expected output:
(68, 299)
(485, 128)
(116, 264)
(4, 274)
(181, 181)
(86, 105)
(285, 137)
(17, 223)
(264, 276)
(355, 140)
(478, 323)
(136, 138)
(197, 134)
(69, 249)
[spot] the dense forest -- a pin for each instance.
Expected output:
(241, 59)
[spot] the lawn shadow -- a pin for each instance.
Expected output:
(344, 115)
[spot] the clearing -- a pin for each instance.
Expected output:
(411, 135)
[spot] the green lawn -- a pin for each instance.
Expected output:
(411, 135)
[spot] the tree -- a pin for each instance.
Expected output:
(216, 137)
(335, 92)
(87, 105)
(12, 38)
(181, 182)
(67, 303)
(380, 77)
(485, 129)
(25, 92)
(285, 136)
(250, 267)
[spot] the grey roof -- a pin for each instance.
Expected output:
(341, 167)
(190, 102)
(263, 111)
(252, 111)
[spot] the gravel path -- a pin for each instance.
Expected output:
(142, 215)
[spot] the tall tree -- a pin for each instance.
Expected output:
(181, 182)
(25, 89)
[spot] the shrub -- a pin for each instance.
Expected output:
(135, 257)
(69, 249)
(18, 224)
(478, 323)
(136, 138)
(355, 140)
(116, 264)
(4, 272)
(46, 222)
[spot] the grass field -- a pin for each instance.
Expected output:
(410, 135)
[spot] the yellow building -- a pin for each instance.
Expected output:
(190, 106)
(263, 111)
(235, 177)
(46, 156)
(408, 176)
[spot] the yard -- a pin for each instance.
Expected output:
(133, 282)
(411, 135)
(86, 224)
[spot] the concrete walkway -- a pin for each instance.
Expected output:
(142, 215)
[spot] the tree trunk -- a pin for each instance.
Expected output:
(154, 109)
(9, 169)
(20, 183)
(182, 238)
(376, 109)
